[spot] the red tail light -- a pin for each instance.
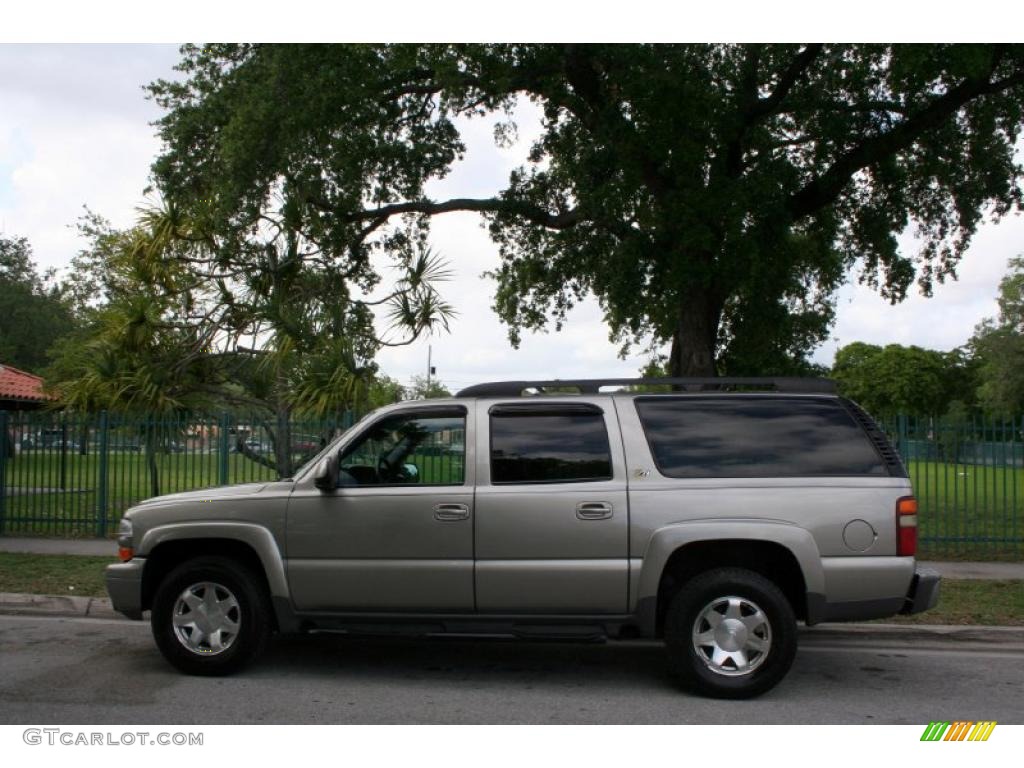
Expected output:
(906, 526)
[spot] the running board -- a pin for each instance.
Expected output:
(524, 630)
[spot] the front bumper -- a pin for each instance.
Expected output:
(924, 591)
(124, 585)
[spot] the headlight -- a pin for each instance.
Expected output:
(124, 540)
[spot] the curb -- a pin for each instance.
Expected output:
(966, 634)
(13, 603)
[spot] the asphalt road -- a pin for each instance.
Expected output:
(93, 671)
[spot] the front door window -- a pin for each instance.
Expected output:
(419, 448)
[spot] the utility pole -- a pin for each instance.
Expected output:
(430, 370)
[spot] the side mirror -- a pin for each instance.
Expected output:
(411, 473)
(326, 477)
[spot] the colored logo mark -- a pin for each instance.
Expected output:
(959, 730)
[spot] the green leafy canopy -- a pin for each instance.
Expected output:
(713, 197)
(998, 345)
(898, 380)
(34, 311)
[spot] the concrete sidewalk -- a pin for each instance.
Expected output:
(955, 570)
(41, 546)
(108, 547)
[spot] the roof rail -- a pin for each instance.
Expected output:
(593, 386)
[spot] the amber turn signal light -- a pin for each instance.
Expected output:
(907, 506)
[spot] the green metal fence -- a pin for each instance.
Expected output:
(968, 476)
(66, 475)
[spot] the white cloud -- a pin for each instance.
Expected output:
(74, 131)
(477, 348)
(946, 319)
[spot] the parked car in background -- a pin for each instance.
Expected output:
(54, 439)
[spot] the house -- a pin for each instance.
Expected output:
(20, 391)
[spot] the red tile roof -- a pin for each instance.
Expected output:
(19, 385)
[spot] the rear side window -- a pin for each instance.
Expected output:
(694, 437)
(545, 444)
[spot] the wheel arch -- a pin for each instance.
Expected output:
(782, 552)
(251, 545)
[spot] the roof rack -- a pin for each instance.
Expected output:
(593, 386)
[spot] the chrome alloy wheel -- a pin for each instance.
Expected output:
(206, 618)
(732, 636)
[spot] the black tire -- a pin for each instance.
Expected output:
(708, 592)
(250, 612)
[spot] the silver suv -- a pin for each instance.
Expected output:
(715, 514)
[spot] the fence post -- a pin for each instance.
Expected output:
(104, 484)
(223, 446)
(4, 438)
(63, 451)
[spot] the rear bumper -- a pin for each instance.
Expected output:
(924, 591)
(922, 594)
(124, 585)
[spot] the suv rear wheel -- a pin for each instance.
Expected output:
(730, 633)
(211, 616)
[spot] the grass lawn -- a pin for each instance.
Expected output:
(960, 602)
(969, 601)
(50, 494)
(72, 575)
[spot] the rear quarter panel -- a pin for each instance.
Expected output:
(755, 508)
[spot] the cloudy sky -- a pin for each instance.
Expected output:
(75, 131)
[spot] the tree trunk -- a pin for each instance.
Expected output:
(693, 343)
(264, 461)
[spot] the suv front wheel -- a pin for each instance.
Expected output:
(730, 633)
(211, 616)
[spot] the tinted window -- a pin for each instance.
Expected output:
(544, 445)
(755, 437)
(420, 448)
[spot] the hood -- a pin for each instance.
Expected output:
(247, 489)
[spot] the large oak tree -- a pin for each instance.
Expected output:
(712, 197)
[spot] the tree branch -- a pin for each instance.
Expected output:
(769, 104)
(249, 453)
(751, 109)
(602, 113)
(587, 101)
(824, 189)
(518, 208)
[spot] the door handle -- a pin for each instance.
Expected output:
(593, 510)
(449, 512)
